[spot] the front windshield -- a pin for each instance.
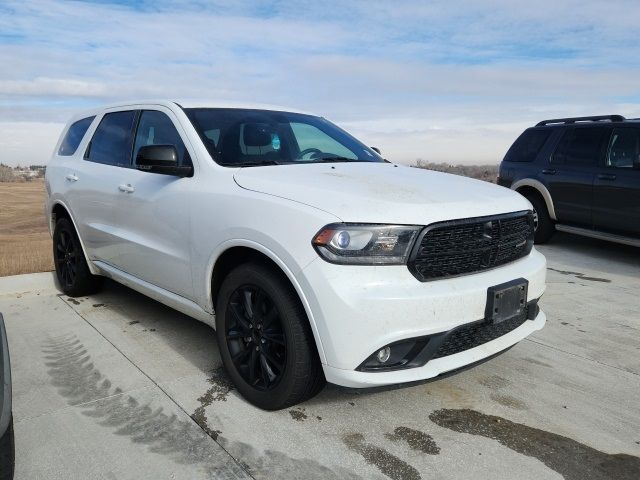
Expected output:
(241, 137)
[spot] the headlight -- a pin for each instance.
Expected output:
(354, 244)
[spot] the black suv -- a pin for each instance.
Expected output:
(582, 175)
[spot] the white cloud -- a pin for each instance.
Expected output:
(440, 80)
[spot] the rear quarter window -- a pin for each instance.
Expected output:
(74, 136)
(527, 146)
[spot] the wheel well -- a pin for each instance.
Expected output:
(528, 190)
(57, 213)
(233, 257)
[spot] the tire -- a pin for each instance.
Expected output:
(261, 322)
(74, 277)
(7, 454)
(545, 227)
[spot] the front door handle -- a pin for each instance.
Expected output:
(606, 176)
(549, 171)
(126, 188)
(72, 177)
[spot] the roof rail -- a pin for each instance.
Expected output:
(611, 118)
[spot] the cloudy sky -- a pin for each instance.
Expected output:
(452, 81)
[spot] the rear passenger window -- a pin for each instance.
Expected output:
(112, 142)
(580, 146)
(74, 136)
(156, 128)
(624, 148)
(527, 146)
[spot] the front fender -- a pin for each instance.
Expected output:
(291, 274)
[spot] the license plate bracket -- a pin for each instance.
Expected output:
(506, 301)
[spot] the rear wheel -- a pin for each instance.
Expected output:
(265, 340)
(544, 227)
(72, 270)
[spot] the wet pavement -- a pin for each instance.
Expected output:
(117, 386)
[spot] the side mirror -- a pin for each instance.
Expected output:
(162, 159)
(376, 149)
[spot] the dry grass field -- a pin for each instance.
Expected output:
(25, 244)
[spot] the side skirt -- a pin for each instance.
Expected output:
(161, 295)
(585, 232)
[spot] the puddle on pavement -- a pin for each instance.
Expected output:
(571, 459)
(221, 385)
(509, 401)
(298, 415)
(579, 275)
(416, 440)
(390, 465)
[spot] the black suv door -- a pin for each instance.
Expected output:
(616, 195)
(570, 174)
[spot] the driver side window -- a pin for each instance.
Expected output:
(156, 128)
(312, 138)
(624, 148)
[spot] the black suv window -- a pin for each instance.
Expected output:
(624, 148)
(156, 128)
(74, 136)
(527, 146)
(111, 144)
(580, 146)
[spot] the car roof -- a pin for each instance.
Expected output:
(187, 103)
(585, 121)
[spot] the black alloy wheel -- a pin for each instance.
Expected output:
(74, 277)
(66, 254)
(265, 339)
(255, 338)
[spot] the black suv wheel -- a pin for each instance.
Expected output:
(72, 270)
(544, 227)
(265, 340)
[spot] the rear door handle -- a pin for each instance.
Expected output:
(549, 171)
(606, 176)
(72, 177)
(126, 188)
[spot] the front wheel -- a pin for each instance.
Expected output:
(543, 225)
(265, 340)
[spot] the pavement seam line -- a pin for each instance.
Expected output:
(537, 342)
(71, 407)
(156, 384)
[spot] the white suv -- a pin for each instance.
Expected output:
(312, 256)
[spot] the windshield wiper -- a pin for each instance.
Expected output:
(333, 159)
(256, 164)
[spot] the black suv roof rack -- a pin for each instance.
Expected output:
(611, 118)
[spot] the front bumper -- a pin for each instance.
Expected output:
(360, 309)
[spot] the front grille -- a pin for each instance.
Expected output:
(470, 336)
(460, 247)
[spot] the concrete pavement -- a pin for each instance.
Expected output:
(117, 386)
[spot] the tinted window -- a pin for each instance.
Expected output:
(311, 138)
(580, 146)
(111, 144)
(156, 128)
(258, 137)
(74, 136)
(527, 146)
(624, 148)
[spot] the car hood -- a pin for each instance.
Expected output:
(381, 192)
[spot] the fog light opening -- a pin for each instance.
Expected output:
(383, 355)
